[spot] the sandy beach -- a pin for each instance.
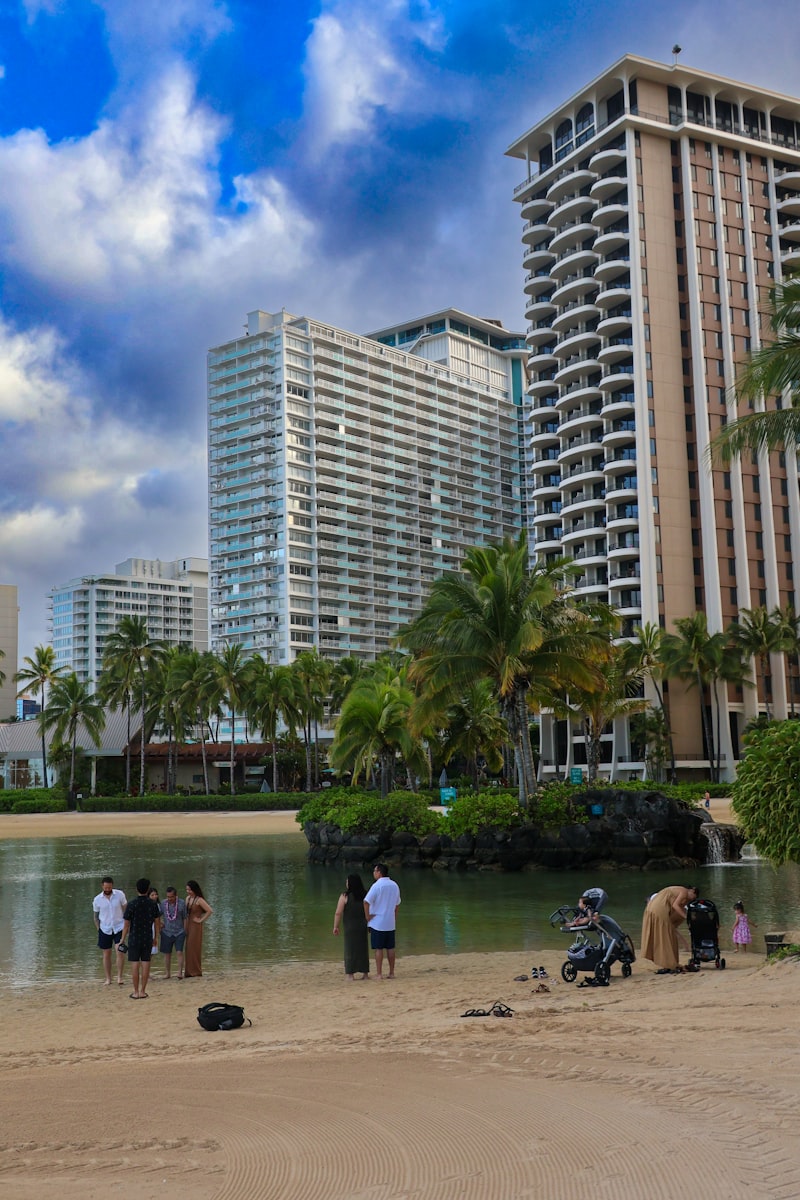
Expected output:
(652, 1087)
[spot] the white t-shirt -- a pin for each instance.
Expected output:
(383, 898)
(110, 910)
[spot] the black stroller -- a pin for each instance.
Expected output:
(598, 944)
(703, 921)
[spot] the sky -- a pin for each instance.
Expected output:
(166, 166)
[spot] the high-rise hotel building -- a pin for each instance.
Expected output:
(660, 205)
(347, 472)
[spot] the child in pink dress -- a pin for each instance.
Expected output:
(741, 928)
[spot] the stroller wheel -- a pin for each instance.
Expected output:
(722, 963)
(569, 972)
(602, 972)
(627, 970)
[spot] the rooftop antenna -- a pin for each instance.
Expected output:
(676, 49)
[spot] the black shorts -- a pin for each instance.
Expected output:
(382, 939)
(170, 941)
(106, 940)
(140, 953)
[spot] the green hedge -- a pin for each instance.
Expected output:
(157, 802)
(32, 799)
(350, 809)
(40, 804)
(479, 812)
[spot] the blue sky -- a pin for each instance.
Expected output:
(165, 167)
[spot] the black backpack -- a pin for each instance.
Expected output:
(221, 1016)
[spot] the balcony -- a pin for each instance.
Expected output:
(614, 294)
(607, 157)
(538, 256)
(537, 282)
(581, 391)
(542, 357)
(609, 185)
(583, 438)
(620, 375)
(569, 182)
(535, 231)
(574, 287)
(615, 321)
(620, 462)
(618, 404)
(538, 308)
(571, 233)
(615, 350)
(536, 209)
(790, 231)
(790, 257)
(578, 338)
(611, 268)
(788, 178)
(613, 238)
(621, 432)
(609, 214)
(577, 259)
(577, 312)
(576, 365)
(629, 577)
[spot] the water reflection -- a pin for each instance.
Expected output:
(270, 906)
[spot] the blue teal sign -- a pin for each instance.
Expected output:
(447, 795)
(575, 775)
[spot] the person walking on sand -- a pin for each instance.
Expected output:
(173, 931)
(350, 911)
(140, 916)
(380, 908)
(108, 908)
(665, 911)
(741, 928)
(198, 910)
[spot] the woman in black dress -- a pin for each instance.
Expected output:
(350, 912)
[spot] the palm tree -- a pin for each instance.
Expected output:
(193, 676)
(703, 660)
(474, 727)
(232, 675)
(128, 652)
(312, 676)
(770, 371)
(72, 705)
(37, 676)
(374, 726)
(273, 697)
(645, 654)
(613, 692)
(344, 674)
(759, 634)
(115, 688)
(790, 644)
(499, 620)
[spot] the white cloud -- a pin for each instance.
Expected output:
(135, 203)
(359, 59)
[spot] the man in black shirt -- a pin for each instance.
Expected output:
(137, 932)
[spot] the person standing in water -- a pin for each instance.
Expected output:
(198, 910)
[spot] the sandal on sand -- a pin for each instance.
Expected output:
(133, 996)
(520, 979)
(541, 988)
(497, 1010)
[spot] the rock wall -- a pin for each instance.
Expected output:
(639, 830)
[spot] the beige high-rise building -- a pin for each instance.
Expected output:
(9, 639)
(660, 205)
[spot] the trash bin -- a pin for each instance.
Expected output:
(774, 942)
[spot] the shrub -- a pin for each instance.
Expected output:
(366, 812)
(30, 798)
(765, 794)
(40, 804)
(479, 812)
(155, 802)
(555, 805)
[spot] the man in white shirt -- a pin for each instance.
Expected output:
(108, 908)
(380, 905)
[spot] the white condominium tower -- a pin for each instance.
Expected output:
(660, 205)
(171, 596)
(347, 472)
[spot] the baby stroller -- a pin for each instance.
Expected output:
(703, 921)
(597, 945)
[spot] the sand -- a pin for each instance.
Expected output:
(657, 1086)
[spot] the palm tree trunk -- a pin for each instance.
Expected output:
(203, 752)
(44, 742)
(233, 752)
(767, 684)
(307, 739)
(74, 746)
(128, 748)
(141, 753)
(707, 731)
(526, 754)
(673, 774)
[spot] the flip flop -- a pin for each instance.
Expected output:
(541, 988)
(499, 1009)
(520, 979)
(476, 1012)
(133, 996)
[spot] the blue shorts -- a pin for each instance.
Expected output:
(382, 939)
(106, 940)
(170, 941)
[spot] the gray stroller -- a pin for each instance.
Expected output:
(596, 945)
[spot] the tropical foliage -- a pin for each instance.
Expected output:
(72, 707)
(766, 794)
(36, 676)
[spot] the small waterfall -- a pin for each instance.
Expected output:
(723, 843)
(748, 853)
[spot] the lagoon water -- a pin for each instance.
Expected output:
(271, 906)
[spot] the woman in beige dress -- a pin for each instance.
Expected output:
(665, 911)
(198, 910)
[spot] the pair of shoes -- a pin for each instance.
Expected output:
(543, 974)
(498, 1009)
(541, 988)
(534, 973)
